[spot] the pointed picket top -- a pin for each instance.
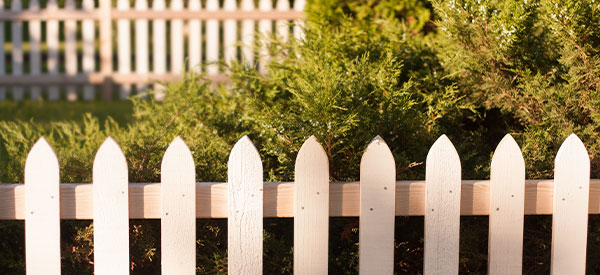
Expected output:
(42, 210)
(311, 209)
(178, 210)
(111, 210)
(570, 208)
(377, 209)
(245, 209)
(442, 208)
(507, 201)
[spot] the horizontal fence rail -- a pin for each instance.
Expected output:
(127, 48)
(110, 201)
(344, 198)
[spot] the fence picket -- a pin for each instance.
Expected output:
(283, 26)
(212, 40)
(111, 210)
(299, 24)
(265, 28)
(507, 205)
(17, 50)
(35, 49)
(311, 209)
(247, 34)
(141, 44)
(42, 206)
(71, 50)
(176, 39)
(87, 62)
(2, 55)
(570, 209)
(159, 47)
(245, 209)
(442, 208)
(229, 33)
(194, 38)
(52, 43)
(178, 210)
(124, 47)
(377, 209)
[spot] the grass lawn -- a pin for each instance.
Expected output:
(49, 111)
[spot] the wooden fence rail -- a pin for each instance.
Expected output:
(76, 66)
(245, 199)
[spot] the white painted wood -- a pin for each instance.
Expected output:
(195, 38)
(111, 211)
(17, 50)
(442, 208)
(35, 57)
(88, 60)
(42, 206)
(570, 209)
(265, 29)
(52, 44)
(212, 39)
(141, 45)
(245, 209)
(283, 26)
(507, 209)
(229, 33)
(311, 209)
(247, 34)
(124, 48)
(159, 50)
(377, 209)
(177, 39)
(71, 50)
(178, 210)
(299, 24)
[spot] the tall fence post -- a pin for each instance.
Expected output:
(106, 65)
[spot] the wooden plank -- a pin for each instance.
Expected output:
(17, 51)
(195, 38)
(265, 30)
(88, 60)
(111, 221)
(71, 50)
(124, 48)
(507, 201)
(311, 209)
(177, 39)
(247, 33)
(442, 204)
(106, 55)
(52, 44)
(159, 48)
(149, 15)
(570, 211)
(35, 57)
(245, 210)
(42, 221)
(141, 46)
(344, 197)
(377, 207)
(299, 24)
(212, 39)
(178, 215)
(229, 33)
(282, 26)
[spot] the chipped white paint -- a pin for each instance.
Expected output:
(245, 210)
(42, 206)
(178, 210)
(311, 209)
(111, 211)
(377, 209)
(442, 208)
(570, 210)
(507, 209)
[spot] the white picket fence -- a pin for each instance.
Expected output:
(73, 67)
(244, 200)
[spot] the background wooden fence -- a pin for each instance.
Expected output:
(110, 201)
(47, 48)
